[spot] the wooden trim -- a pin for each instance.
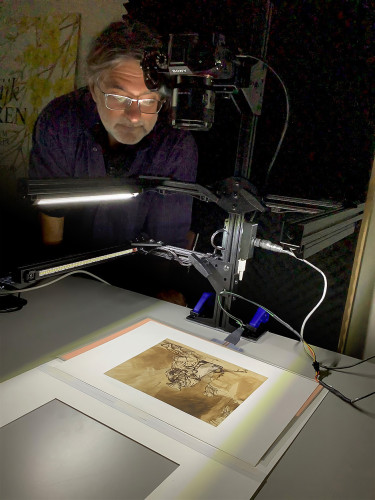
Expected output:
(361, 244)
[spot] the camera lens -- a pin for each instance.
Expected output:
(193, 103)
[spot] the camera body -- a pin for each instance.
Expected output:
(191, 69)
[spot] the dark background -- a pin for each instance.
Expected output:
(323, 52)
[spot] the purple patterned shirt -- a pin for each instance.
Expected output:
(66, 144)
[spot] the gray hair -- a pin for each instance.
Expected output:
(117, 43)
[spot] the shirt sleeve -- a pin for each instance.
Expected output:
(169, 216)
(48, 156)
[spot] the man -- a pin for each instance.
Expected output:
(115, 127)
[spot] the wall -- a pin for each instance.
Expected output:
(95, 15)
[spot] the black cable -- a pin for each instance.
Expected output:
(347, 366)
(239, 321)
(316, 365)
(286, 122)
(341, 396)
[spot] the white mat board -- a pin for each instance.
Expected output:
(246, 433)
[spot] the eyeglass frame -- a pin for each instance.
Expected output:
(131, 100)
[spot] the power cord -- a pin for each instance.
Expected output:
(4, 293)
(308, 349)
(287, 113)
(334, 391)
(268, 245)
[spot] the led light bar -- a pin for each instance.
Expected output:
(33, 272)
(85, 199)
(42, 192)
(234, 195)
(82, 263)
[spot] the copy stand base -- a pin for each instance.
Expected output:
(206, 313)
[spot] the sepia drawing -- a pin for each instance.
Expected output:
(192, 381)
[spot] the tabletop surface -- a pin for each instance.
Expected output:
(333, 457)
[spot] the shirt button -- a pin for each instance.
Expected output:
(95, 149)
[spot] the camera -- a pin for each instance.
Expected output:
(188, 68)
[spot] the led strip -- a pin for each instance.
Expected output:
(72, 265)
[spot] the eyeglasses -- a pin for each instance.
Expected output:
(148, 106)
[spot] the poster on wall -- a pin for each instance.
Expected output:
(37, 63)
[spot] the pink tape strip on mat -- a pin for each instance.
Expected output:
(88, 347)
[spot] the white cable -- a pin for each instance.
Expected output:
(30, 289)
(273, 247)
(323, 294)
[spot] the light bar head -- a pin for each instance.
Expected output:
(50, 192)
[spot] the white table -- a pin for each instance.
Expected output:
(333, 457)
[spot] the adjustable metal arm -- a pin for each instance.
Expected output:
(232, 195)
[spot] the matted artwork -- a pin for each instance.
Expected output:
(190, 380)
(256, 401)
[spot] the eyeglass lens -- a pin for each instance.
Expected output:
(117, 102)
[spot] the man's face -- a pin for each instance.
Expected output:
(127, 126)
